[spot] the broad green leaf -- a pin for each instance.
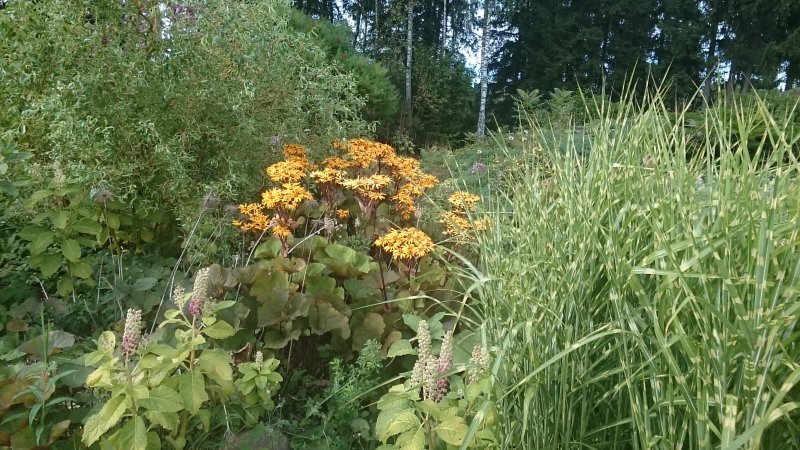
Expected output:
(219, 330)
(35, 232)
(162, 399)
(71, 250)
(452, 430)
(411, 440)
(87, 226)
(80, 269)
(65, 287)
(144, 284)
(193, 391)
(41, 244)
(108, 416)
(47, 263)
(216, 363)
(112, 220)
(401, 347)
(393, 422)
(133, 435)
(56, 341)
(59, 219)
(371, 328)
(268, 249)
(8, 188)
(166, 420)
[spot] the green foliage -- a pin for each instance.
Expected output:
(157, 387)
(196, 104)
(373, 84)
(436, 408)
(643, 298)
(337, 420)
(38, 404)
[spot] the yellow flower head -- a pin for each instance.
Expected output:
(403, 167)
(328, 176)
(342, 213)
(464, 201)
(254, 218)
(406, 244)
(295, 151)
(364, 152)
(289, 171)
(336, 163)
(288, 197)
(367, 185)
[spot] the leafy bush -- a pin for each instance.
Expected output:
(159, 106)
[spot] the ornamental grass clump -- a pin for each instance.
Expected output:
(645, 294)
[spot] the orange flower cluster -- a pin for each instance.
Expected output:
(456, 221)
(281, 200)
(364, 161)
(364, 152)
(407, 244)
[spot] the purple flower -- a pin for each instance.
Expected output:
(479, 167)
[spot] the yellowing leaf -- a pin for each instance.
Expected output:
(219, 330)
(133, 435)
(452, 430)
(193, 391)
(217, 364)
(107, 417)
(162, 399)
(392, 422)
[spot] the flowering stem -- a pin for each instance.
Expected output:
(386, 304)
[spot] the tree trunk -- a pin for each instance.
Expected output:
(484, 69)
(409, 54)
(731, 80)
(358, 28)
(791, 75)
(711, 62)
(444, 24)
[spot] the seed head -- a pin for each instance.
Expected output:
(132, 334)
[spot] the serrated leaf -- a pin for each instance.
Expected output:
(87, 226)
(144, 284)
(108, 416)
(112, 220)
(59, 219)
(34, 232)
(393, 422)
(411, 440)
(41, 244)
(47, 263)
(80, 269)
(162, 399)
(193, 391)
(401, 347)
(168, 421)
(219, 330)
(71, 250)
(133, 435)
(216, 363)
(452, 430)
